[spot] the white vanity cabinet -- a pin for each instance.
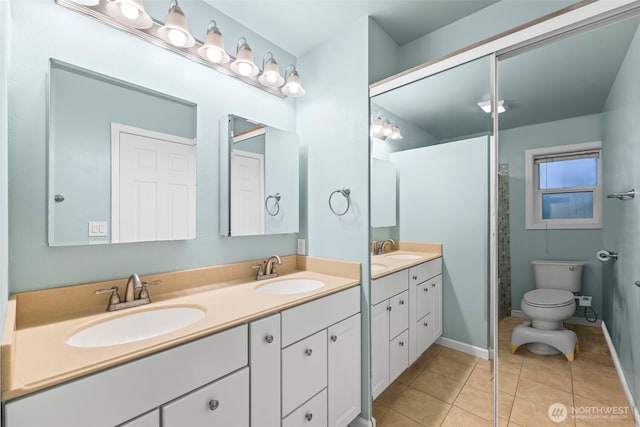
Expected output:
(120, 394)
(425, 313)
(150, 419)
(321, 361)
(265, 365)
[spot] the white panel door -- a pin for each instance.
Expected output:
(344, 371)
(264, 361)
(379, 347)
(247, 193)
(154, 186)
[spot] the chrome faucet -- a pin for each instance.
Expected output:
(384, 243)
(130, 299)
(268, 269)
(377, 248)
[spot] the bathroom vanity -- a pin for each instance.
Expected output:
(406, 311)
(253, 359)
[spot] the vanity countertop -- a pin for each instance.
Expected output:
(34, 350)
(387, 263)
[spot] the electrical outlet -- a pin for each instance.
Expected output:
(584, 301)
(301, 247)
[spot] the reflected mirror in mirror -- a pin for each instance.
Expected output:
(122, 161)
(259, 184)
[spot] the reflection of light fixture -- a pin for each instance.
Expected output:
(486, 106)
(213, 47)
(293, 86)
(270, 72)
(175, 30)
(384, 129)
(87, 2)
(130, 12)
(243, 65)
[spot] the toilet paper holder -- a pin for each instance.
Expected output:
(605, 255)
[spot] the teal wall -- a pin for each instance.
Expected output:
(485, 23)
(112, 52)
(527, 245)
(384, 54)
(443, 195)
(281, 176)
(621, 151)
(333, 124)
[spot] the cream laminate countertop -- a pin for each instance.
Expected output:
(425, 252)
(35, 354)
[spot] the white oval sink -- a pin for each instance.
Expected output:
(377, 267)
(403, 256)
(290, 286)
(136, 327)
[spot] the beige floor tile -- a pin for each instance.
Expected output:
(378, 410)
(601, 359)
(421, 407)
(393, 419)
(599, 383)
(458, 356)
(390, 395)
(460, 418)
(410, 374)
(508, 377)
(591, 413)
(480, 402)
(426, 357)
(450, 368)
(443, 388)
(532, 402)
(481, 379)
(554, 373)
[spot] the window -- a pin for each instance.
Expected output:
(564, 186)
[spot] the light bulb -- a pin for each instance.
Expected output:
(177, 37)
(214, 55)
(244, 68)
(376, 126)
(129, 11)
(293, 88)
(386, 129)
(271, 78)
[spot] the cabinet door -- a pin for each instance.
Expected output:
(436, 313)
(398, 355)
(304, 370)
(150, 419)
(312, 413)
(424, 299)
(424, 334)
(344, 371)
(264, 357)
(399, 314)
(222, 403)
(379, 348)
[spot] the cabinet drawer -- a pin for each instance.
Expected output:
(133, 388)
(304, 370)
(424, 333)
(264, 363)
(306, 319)
(222, 403)
(151, 419)
(311, 414)
(388, 286)
(424, 298)
(399, 314)
(398, 355)
(427, 270)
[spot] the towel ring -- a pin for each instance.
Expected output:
(346, 192)
(276, 204)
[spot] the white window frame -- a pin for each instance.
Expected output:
(533, 200)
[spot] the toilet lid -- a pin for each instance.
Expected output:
(549, 298)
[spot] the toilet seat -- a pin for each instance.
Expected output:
(549, 298)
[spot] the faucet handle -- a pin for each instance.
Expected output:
(260, 269)
(143, 292)
(115, 298)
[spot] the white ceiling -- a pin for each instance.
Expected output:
(298, 26)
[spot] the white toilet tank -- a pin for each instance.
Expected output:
(565, 275)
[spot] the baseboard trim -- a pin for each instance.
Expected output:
(363, 422)
(575, 320)
(623, 380)
(482, 353)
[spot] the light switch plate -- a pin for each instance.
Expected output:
(98, 229)
(301, 247)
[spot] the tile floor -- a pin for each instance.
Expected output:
(448, 388)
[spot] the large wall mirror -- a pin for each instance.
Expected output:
(122, 161)
(259, 183)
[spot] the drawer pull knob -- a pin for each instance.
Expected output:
(334, 338)
(433, 285)
(401, 302)
(415, 277)
(426, 324)
(213, 404)
(401, 343)
(269, 339)
(309, 416)
(426, 289)
(389, 308)
(308, 352)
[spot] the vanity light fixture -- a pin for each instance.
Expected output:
(213, 47)
(383, 129)
(129, 12)
(486, 106)
(395, 133)
(243, 65)
(293, 86)
(175, 30)
(87, 2)
(270, 72)
(376, 126)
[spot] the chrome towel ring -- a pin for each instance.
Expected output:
(346, 193)
(276, 204)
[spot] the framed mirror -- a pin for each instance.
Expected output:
(122, 161)
(259, 182)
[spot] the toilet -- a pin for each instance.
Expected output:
(548, 306)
